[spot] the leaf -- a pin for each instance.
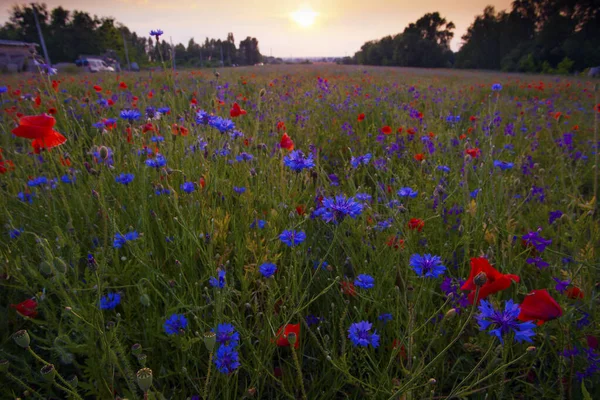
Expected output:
(586, 394)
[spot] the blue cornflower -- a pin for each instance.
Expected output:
(243, 156)
(157, 162)
(504, 322)
(360, 335)
(407, 192)
(226, 335)
(157, 139)
(102, 102)
(25, 197)
(258, 223)
(443, 168)
(363, 197)
(356, 161)
(202, 117)
(156, 33)
(322, 264)
(496, 87)
(222, 124)
(67, 179)
(226, 359)
(188, 187)
(267, 269)
(175, 324)
(120, 240)
(364, 281)
(15, 233)
(219, 281)
(561, 286)
(292, 238)
(534, 239)
(385, 317)
(110, 301)
(554, 215)
(164, 110)
(3, 89)
(474, 193)
(239, 190)
(297, 162)
(427, 265)
(124, 179)
(503, 165)
(538, 262)
(336, 209)
(42, 180)
(130, 115)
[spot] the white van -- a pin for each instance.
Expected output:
(98, 66)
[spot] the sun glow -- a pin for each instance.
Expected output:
(304, 17)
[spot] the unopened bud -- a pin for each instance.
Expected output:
(103, 152)
(480, 279)
(144, 379)
(142, 359)
(432, 381)
(136, 349)
(531, 349)
(451, 313)
(262, 92)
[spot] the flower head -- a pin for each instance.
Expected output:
(539, 305)
(130, 115)
(124, 179)
(496, 87)
(504, 322)
(26, 308)
(188, 187)
(427, 265)
(283, 334)
(292, 238)
(110, 301)
(267, 269)
(503, 165)
(227, 359)
(176, 323)
(336, 209)
(156, 33)
(407, 192)
(227, 335)
(297, 161)
(218, 282)
(364, 281)
(495, 280)
(360, 334)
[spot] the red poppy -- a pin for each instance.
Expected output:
(55, 86)
(411, 131)
(202, 182)
(416, 223)
(148, 127)
(150, 95)
(286, 142)
(194, 101)
(395, 242)
(361, 117)
(496, 281)
(575, 293)
(386, 130)
(300, 209)
(473, 152)
(472, 118)
(282, 338)
(5, 165)
(37, 101)
(348, 289)
(123, 85)
(38, 128)
(539, 305)
(26, 308)
(419, 157)
(236, 111)
(597, 107)
(97, 88)
(65, 161)
(52, 111)
(281, 126)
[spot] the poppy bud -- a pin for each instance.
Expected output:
(262, 92)
(432, 381)
(103, 152)
(531, 349)
(210, 339)
(60, 265)
(22, 338)
(145, 300)
(480, 279)
(48, 372)
(142, 358)
(45, 268)
(136, 349)
(144, 379)
(451, 313)
(4, 365)
(73, 381)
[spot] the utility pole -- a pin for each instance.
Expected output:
(126, 52)
(37, 24)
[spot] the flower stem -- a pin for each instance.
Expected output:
(299, 369)
(23, 384)
(210, 357)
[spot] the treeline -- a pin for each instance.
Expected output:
(550, 36)
(69, 34)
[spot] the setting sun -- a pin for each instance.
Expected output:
(304, 17)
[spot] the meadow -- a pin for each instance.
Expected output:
(299, 232)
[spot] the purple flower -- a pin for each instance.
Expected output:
(407, 192)
(534, 239)
(292, 238)
(364, 281)
(561, 286)
(336, 209)
(219, 281)
(427, 265)
(538, 262)
(554, 215)
(267, 269)
(504, 322)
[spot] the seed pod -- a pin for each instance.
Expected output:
(210, 339)
(480, 279)
(22, 338)
(4, 365)
(48, 372)
(142, 358)
(136, 349)
(144, 379)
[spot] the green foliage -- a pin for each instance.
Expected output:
(428, 349)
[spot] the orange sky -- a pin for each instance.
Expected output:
(341, 27)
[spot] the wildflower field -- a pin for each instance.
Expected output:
(310, 232)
